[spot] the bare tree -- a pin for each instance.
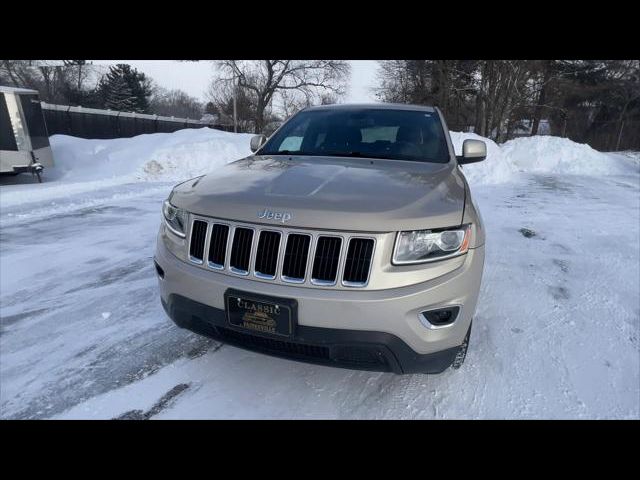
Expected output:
(79, 72)
(625, 91)
(263, 80)
(503, 87)
(222, 95)
(17, 73)
(174, 103)
(57, 81)
(448, 84)
(404, 81)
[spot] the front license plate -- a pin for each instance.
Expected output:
(259, 314)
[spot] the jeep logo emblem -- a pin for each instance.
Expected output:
(267, 214)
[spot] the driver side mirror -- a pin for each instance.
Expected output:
(472, 151)
(257, 142)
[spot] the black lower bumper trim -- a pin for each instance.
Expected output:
(356, 349)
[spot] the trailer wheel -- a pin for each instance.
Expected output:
(36, 169)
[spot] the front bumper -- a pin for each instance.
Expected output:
(355, 349)
(366, 329)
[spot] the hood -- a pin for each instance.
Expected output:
(332, 193)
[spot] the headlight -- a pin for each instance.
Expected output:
(174, 218)
(419, 246)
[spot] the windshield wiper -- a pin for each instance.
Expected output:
(383, 157)
(358, 155)
(354, 154)
(291, 152)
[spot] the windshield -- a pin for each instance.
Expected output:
(415, 135)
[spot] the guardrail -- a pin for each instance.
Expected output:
(104, 124)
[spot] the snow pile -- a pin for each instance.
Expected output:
(496, 168)
(628, 157)
(542, 155)
(188, 153)
(155, 157)
(545, 154)
(85, 166)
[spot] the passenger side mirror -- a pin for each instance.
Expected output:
(472, 151)
(257, 142)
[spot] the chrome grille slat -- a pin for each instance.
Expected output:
(282, 254)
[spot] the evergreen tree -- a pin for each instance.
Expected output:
(125, 89)
(118, 96)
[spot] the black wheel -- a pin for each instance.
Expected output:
(462, 353)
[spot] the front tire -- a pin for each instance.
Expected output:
(462, 352)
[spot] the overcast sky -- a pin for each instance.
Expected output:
(194, 77)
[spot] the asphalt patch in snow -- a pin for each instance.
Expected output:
(562, 264)
(527, 232)
(158, 407)
(208, 346)
(7, 320)
(114, 275)
(554, 185)
(559, 293)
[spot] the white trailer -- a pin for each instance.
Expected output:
(24, 142)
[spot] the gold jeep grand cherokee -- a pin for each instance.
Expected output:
(348, 239)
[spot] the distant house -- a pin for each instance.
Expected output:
(524, 128)
(209, 118)
(220, 120)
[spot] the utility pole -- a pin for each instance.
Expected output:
(235, 108)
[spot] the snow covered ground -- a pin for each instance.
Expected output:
(83, 335)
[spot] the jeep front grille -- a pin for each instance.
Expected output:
(322, 259)
(267, 254)
(325, 262)
(296, 254)
(218, 245)
(241, 250)
(358, 263)
(198, 236)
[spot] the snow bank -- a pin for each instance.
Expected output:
(86, 166)
(543, 155)
(496, 168)
(188, 153)
(155, 157)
